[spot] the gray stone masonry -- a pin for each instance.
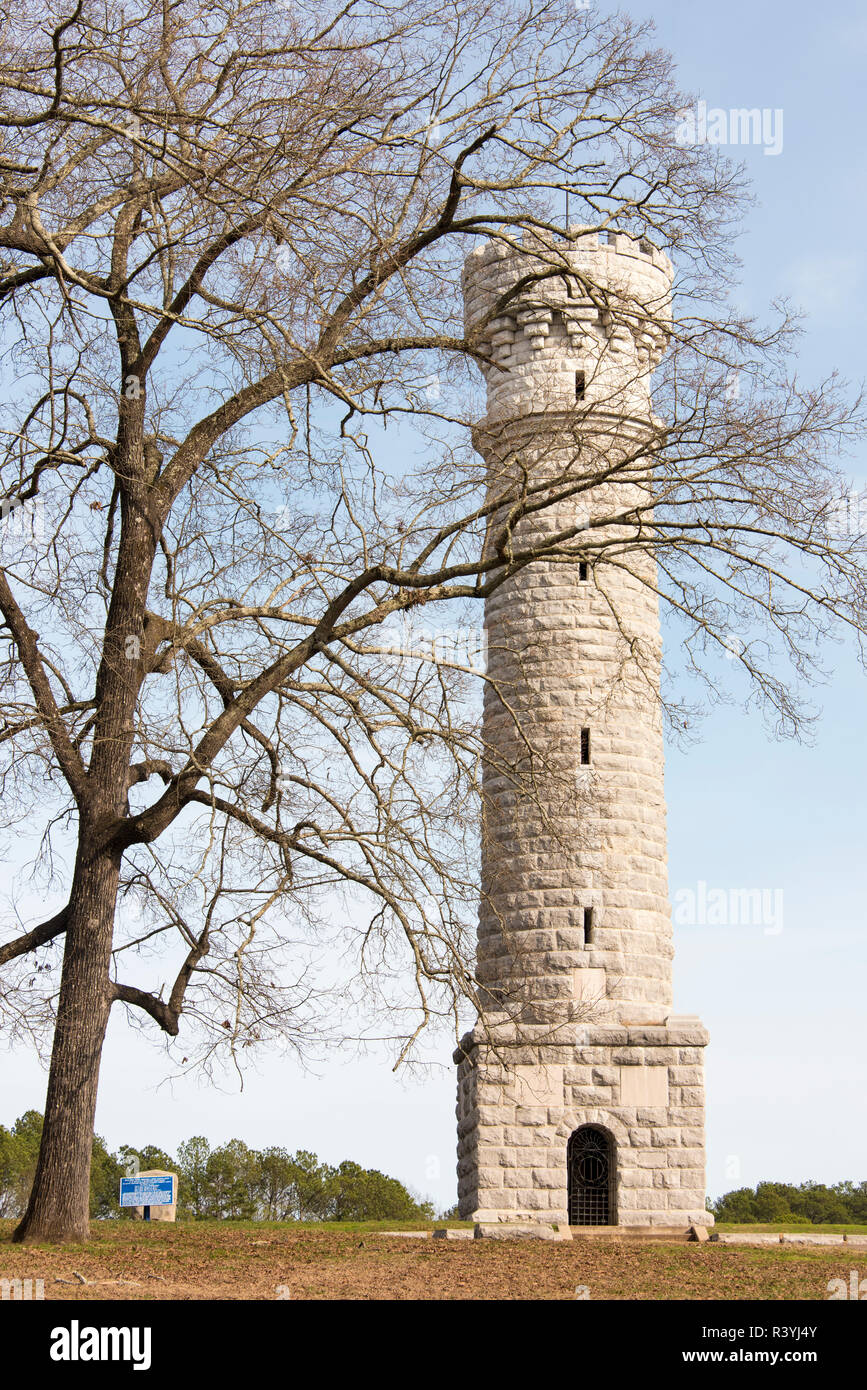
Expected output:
(575, 935)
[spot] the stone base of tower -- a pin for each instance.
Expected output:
(539, 1118)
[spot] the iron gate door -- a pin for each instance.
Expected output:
(591, 1177)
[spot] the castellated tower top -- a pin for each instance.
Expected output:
(580, 317)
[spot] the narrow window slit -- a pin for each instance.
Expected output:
(585, 746)
(580, 385)
(588, 926)
(582, 570)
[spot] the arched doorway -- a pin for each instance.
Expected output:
(590, 1161)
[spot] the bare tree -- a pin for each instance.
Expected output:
(238, 473)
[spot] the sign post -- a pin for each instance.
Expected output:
(154, 1194)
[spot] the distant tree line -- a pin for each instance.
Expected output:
(811, 1202)
(232, 1181)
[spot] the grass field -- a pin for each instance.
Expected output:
(246, 1260)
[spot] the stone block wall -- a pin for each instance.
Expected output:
(516, 1113)
(574, 921)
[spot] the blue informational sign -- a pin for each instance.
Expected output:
(147, 1192)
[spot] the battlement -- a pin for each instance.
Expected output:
(586, 314)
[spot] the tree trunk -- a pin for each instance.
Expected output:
(59, 1206)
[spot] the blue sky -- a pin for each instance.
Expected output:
(786, 1066)
(787, 1097)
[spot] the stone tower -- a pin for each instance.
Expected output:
(580, 1096)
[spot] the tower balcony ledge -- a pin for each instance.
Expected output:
(678, 1030)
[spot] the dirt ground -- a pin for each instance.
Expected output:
(228, 1260)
